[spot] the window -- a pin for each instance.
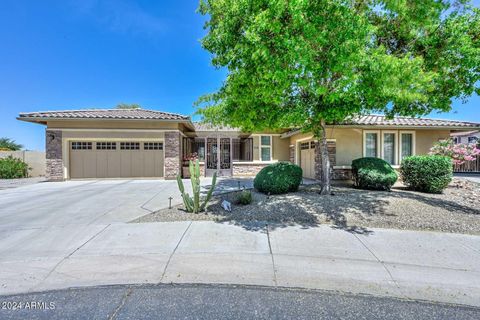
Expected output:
(242, 149)
(81, 146)
(389, 147)
(304, 146)
(406, 145)
(472, 139)
(106, 145)
(129, 145)
(153, 146)
(371, 144)
(265, 148)
(199, 148)
(312, 144)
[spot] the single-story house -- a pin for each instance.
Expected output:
(466, 136)
(131, 143)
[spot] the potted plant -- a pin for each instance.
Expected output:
(186, 161)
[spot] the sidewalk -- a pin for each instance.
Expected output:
(414, 265)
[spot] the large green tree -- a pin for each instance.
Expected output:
(308, 63)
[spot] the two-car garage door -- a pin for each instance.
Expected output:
(115, 159)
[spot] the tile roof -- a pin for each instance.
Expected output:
(379, 120)
(382, 121)
(128, 114)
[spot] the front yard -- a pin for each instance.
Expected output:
(456, 210)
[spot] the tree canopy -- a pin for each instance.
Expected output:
(128, 106)
(9, 144)
(299, 63)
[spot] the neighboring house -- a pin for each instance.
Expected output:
(144, 143)
(466, 137)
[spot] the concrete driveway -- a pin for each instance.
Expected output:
(83, 202)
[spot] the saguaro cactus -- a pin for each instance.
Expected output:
(193, 204)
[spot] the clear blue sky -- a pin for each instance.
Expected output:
(70, 54)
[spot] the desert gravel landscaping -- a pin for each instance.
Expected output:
(457, 210)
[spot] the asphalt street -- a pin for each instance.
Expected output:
(218, 302)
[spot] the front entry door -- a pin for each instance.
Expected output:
(219, 157)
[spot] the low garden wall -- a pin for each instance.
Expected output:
(35, 160)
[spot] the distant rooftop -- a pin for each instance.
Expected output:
(200, 126)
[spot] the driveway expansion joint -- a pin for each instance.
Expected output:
(383, 265)
(271, 255)
(70, 254)
(173, 252)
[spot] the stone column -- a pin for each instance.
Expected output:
(332, 155)
(54, 155)
(292, 153)
(173, 154)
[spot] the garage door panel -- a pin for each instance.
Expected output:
(137, 165)
(113, 165)
(159, 164)
(102, 164)
(125, 164)
(76, 164)
(307, 159)
(150, 162)
(90, 164)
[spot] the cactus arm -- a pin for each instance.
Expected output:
(210, 192)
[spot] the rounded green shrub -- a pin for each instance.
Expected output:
(13, 168)
(430, 174)
(373, 174)
(277, 178)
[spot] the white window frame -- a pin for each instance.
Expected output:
(395, 149)
(379, 143)
(265, 146)
(414, 139)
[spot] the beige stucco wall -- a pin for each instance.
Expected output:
(113, 124)
(35, 160)
(349, 141)
(281, 151)
(426, 138)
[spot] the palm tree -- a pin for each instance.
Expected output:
(9, 144)
(128, 106)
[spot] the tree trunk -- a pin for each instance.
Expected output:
(325, 161)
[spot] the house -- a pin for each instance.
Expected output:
(128, 143)
(466, 137)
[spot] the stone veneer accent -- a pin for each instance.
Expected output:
(54, 156)
(173, 152)
(292, 154)
(332, 152)
(247, 169)
(342, 174)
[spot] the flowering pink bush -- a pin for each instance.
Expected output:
(459, 153)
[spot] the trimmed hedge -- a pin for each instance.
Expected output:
(430, 174)
(277, 178)
(373, 174)
(13, 168)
